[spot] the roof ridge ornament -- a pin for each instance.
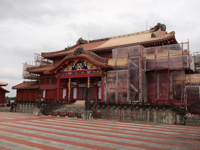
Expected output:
(81, 41)
(79, 50)
(158, 26)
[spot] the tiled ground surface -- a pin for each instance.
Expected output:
(20, 131)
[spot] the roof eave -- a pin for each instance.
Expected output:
(6, 91)
(14, 87)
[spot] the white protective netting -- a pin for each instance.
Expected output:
(26, 74)
(169, 56)
(123, 84)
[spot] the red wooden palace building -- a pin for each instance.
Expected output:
(143, 67)
(2, 93)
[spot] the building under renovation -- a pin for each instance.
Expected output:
(127, 76)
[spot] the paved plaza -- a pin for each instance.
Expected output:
(19, 131)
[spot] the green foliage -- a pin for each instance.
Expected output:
(9, 98)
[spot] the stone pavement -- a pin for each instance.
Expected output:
(19, 131)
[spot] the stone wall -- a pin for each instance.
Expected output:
(29, 107)
(192, 120)
(24, 108)
(69, 108)
(139, 114)
(4, 109)
(146, 114)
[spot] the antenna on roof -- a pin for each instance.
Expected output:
(146, 25)
(89, 36)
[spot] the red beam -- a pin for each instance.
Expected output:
(77, 90)
(58, 89)
(79, 70)
(102, 88)
(80, 75)
(69, 89)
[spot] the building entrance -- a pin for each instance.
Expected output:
(73, 89)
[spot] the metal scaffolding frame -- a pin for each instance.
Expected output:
(159, 75)
(39, 63)
(172, 70)
(124, 83)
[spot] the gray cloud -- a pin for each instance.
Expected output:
(35, 26)
(29, 10)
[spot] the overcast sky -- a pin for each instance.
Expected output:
(35, 26)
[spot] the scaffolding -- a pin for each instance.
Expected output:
(159, 75)
(165, 71)
(171, 76)
(128, 74)
(39, 63)
(26, 74)
(124, 84)
(196, 57)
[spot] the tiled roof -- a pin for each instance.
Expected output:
(94, 58)
(109, 43)
(86, 47)
(27, 85)
(3, 83)
(6, 91)
(42, 69)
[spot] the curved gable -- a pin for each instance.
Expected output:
(86, 60)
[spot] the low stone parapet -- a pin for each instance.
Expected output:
(38, 111)
(147, 114)
(24, 107)
(192, 120)
(4, 109)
